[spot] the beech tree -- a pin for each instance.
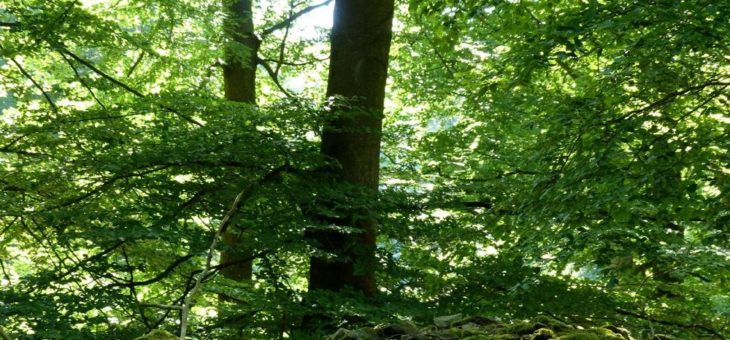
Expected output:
(530, 160)
(239, 81)
(360, 44)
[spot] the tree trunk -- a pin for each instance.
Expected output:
(239, 78)
(360, 40)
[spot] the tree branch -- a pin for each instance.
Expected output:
(81, 80)
(242, 197)
(157, 277)
(266, 32)
(35, 83)
(667, 99)
(273, 76)
(123, 85)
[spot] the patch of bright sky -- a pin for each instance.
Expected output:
(309, 25)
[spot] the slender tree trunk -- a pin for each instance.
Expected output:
(360, 40)
(239, 77)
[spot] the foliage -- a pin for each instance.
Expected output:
(539, 157)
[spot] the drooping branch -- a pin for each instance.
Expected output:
(89, 259)
(266, 32)
(123, 85)
(81, 80)
(35, 83)
(159, 277)
(668, 99)
(274, 76)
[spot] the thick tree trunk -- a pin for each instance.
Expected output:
(361, 37)
(239, 77)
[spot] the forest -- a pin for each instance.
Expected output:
(365, 169)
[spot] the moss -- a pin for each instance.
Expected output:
(543, 334)
(591, 334)
(403, 327)
(580, 336)
(479, 328)
(478, 337)
(552, 323)
(524, 328)
(365, 333)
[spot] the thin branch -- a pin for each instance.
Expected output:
(133, 291)
(136, 63)
(108, 183)
(35, 83)
(282, 45)
(667, 99)
(89, 259)
(21, 152)
(242, 197)
(158, 277)
(292, 18)
(81, 80)
(124, 86)
(101, 73)
(273, 76)
(292, 63)
(161, 306)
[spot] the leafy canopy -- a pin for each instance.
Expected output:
(539, 157)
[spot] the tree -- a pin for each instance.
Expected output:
(555, 158)
(360, 44)
(239, 79)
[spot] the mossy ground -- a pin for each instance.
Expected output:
(482, 328)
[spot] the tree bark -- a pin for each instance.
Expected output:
(239, 78)
(360, 43)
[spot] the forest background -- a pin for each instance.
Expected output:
(213, 169)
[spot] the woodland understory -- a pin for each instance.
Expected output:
(364, 169)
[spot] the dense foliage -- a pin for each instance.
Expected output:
(563, 158)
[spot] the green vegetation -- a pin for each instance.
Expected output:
(484, 169)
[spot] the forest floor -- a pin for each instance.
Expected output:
(481, 328)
